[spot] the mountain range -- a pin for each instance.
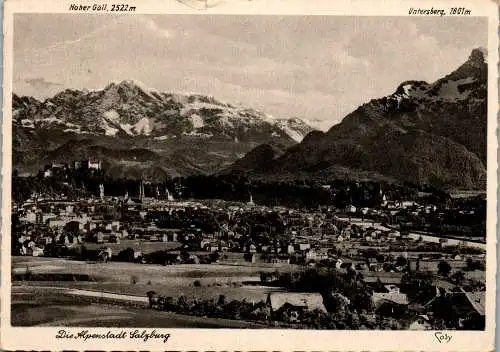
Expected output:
(142, 133)
(424, 133)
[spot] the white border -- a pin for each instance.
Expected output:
(279, 340)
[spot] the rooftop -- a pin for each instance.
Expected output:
(310, 301)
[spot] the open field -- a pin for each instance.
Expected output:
(183, 274)
(43, 307)
(117, 271)
(137, 279)
(80, 300)
(143, 246)
(249, 293)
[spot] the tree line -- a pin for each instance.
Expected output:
(232, 187)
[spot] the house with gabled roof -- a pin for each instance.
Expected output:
(294, 302)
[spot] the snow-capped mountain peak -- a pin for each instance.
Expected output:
(131, 108)
(170, 133)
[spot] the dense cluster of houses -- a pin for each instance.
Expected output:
(276, 235)
(246, 234)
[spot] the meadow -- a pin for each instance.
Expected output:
(206, 281)
(33, 306)
(143, 246)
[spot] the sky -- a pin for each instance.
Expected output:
(317, 68)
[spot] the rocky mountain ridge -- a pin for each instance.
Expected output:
(175, 134)
(425, 133)
(129, 108)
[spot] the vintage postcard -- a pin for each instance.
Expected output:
(249, 175)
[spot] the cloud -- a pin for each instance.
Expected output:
(406, 49)
(121, 27)
(151, 24)
(40, 82)
(313, 67)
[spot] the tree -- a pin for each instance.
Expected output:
(184, 256)
(444, 268)
(362, 300)
(418, 285)
(401, 261)
(153, 298)
(458, 277)
(336, 302)
(182, 302)
(474, 265)
(222, 300)
(126, 255)
(370, 253)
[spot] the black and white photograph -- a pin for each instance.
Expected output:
(250, 171)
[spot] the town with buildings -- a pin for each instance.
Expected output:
(272, 169)
(330, 266)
